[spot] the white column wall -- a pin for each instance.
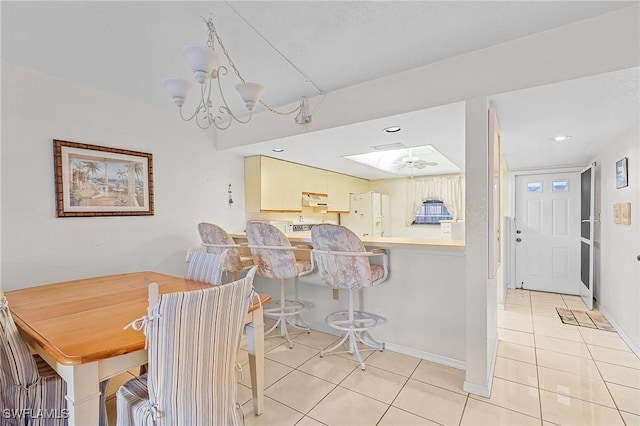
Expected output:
(481, 295)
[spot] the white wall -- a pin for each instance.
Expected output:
(618, 282)
(190, 181)
(481, 291)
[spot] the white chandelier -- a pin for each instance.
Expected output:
(206, 67)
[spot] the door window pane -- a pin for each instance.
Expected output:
(560, 186)
(534, 187)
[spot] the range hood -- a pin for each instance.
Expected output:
(314, 200)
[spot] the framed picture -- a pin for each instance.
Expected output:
(93, 180)
(616, 213)
(621, 173)
(625, 213)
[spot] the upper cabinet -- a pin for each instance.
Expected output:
(314, 180)
(338, 192)
(357, 185)
(277, 185)
(272, 185)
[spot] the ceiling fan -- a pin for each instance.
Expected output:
(413, 162)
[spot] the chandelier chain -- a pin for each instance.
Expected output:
(210, 44)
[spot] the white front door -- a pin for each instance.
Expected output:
(548, 232)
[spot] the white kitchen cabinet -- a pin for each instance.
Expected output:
(277, 185)
(357, 185)
(314, 180)
(338, 192)
(272, 185)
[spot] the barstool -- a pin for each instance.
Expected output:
(275, 257)
(344, 263)
(216, 240)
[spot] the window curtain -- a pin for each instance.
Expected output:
(448, 189)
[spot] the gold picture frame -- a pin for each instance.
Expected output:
(92, 180)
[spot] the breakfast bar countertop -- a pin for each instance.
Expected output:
(381, 242)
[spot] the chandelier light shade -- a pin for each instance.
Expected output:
(203, 61)
(178, 89)
(250, 93)
(206, 64)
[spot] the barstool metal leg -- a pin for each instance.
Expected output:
(283, 316)
(356, 331)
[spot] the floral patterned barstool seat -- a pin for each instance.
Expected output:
(216, 240)
(343, 262)
(275, 258)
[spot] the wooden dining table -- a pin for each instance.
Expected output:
(78, 328)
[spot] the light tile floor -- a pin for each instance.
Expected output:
(546, 373)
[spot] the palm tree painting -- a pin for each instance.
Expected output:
(90, 167)
(100, 181)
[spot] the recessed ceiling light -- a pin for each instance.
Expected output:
(561, 138)
(393, 129)
(277, 150)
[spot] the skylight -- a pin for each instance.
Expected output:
(413, 161)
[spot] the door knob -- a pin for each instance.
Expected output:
(518, 240)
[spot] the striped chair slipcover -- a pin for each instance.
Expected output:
(31, 392)
(193, 339)
(204, 267)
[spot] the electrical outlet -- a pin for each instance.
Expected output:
(336, 294)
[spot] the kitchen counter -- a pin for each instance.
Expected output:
(381, 242)
(422, 301)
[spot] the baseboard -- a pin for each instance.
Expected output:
(439, 359)
(405, 350)
(485, 390)
(621, 333)
(476, 389)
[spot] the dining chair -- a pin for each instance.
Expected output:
(343, 262)
(276, 258)
(192, 339)
(205, 267)
(31, 392)
(215, 239)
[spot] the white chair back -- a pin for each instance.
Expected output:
(193, 339)
(204, 267)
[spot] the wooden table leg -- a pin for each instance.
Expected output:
(255, 347)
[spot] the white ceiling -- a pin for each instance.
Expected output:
(128, 48)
